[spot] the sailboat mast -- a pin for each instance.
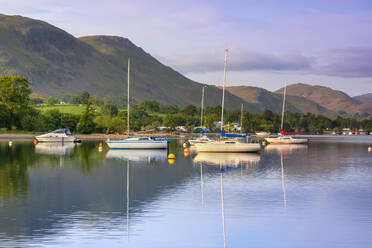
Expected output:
(241, 118)
(202, 108)
(282, 123)
(128, 106)
(223, 89)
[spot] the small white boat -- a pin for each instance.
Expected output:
(284, 139)
(59, 135)
(227, 146)
(139, 143)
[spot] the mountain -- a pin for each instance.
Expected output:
(57, 63)
(265, 99)
(333, 100)
(366, 98)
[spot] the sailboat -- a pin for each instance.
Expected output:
(137, 142)
(203, 138)
(284, 137)
(226, 145)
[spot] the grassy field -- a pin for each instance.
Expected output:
(65, 108)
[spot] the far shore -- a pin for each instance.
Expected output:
(94, 136)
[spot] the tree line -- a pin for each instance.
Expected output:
(18, 112)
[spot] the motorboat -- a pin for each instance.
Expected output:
(139, 143)
(136, 142)
(60, 135)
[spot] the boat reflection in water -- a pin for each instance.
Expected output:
(138, 155)
(285, 148)
(59, 149)
(228, 159)
(224, 161)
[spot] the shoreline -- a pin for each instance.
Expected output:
(87, 137)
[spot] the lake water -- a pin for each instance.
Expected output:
(287, 196)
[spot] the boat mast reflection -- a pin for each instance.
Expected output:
(128, 199)
(283, 180)
(222, 207)
(202, 184)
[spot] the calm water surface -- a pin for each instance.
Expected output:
(287, 196)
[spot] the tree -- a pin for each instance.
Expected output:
(170, 121)
(52, 119)
(110, 109)
(210, 120)
(190, 110)
(15, 96)
(82, 98)
(150, 105)
(52, 101)
(86, 123)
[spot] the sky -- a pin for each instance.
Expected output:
(270, 42)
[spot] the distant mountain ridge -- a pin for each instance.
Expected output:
(366, 98)
(57, 63)
(273, 101)
(333, 100)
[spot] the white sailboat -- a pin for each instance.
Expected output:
(285, 138)
(204, 138)
(137, 142)
(226, 145)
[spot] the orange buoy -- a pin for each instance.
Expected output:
(100, 144)
(186, 152)
(35, 141)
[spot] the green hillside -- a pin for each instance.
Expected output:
(57, 64)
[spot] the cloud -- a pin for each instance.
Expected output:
(351, 62)
(239, 61)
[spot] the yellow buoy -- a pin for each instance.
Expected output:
(171, 161)
(171, 156)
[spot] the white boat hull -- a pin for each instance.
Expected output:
(137, 145)
(279, 140)
(223, 147)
